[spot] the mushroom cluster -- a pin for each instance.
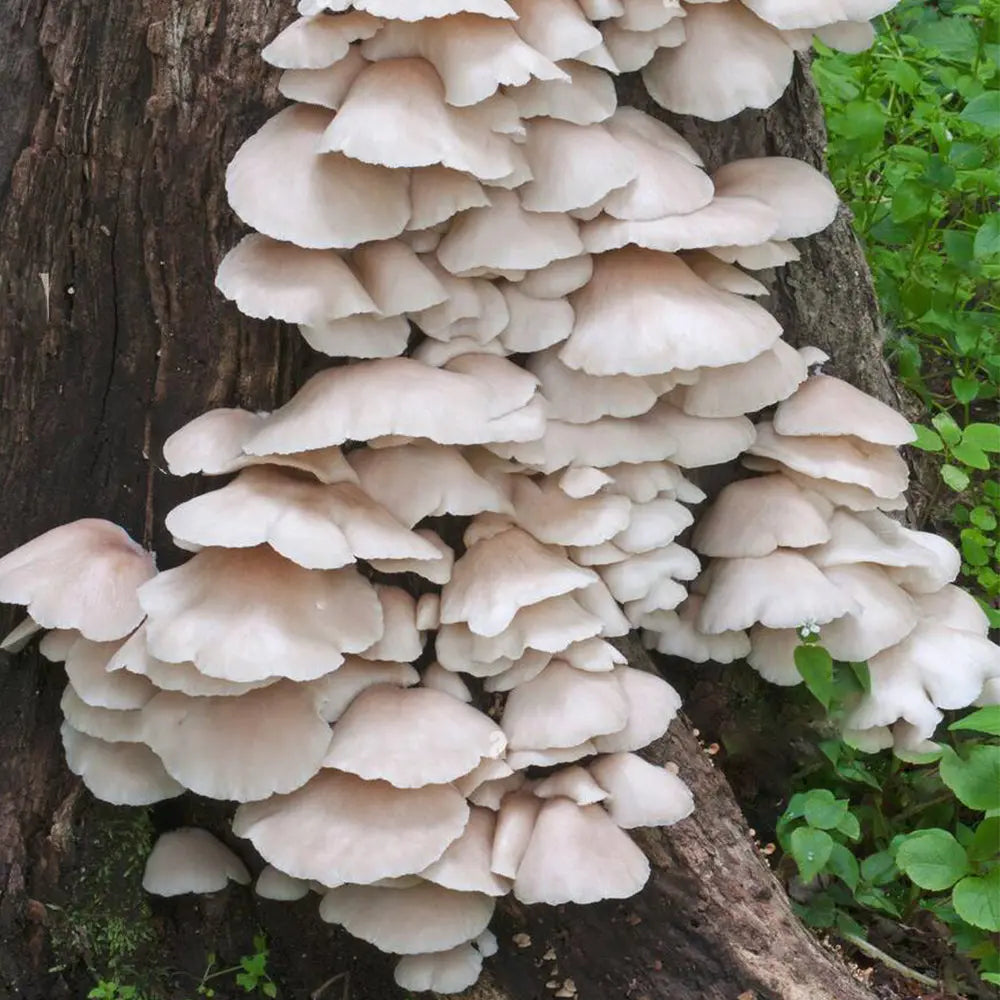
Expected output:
(391, 643)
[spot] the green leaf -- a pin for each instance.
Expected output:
(985, 720)
(970, 455)
(815, 665)
(850, 827)
(879, 868)
(987, 241)
(844, 865)
(977, 900)
(975, 780)
(863, 675)
(983, 517)
(965, 389)
(811, 850)
(990, 977)
(933, 859)
(986, 437)
(820, 911)
(269, 990)
(983, 111)
(955, 477)
(985, 843)
(823, 811)
(944, 424)
(927, 440)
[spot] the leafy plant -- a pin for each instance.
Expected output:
(250, 975)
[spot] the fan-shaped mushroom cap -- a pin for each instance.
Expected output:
(703, 441)
(441, 972)
(577, 854)
(558, 279)
(108, 724)
(746, 387)
(753, 517)
(212, 444)
(791, 14)
(274, 884)
(465, 865)
(725, 277)
(87, 666)
(670, 318)
(278, 183)
(268, 279)
(847, 36)
(124, 774)
(643, 481)
(770, 254)
(600, 10)
(534, 324)
(421, 918)
(412, 738)
(474, 55)
(247, 614)
(396, 278)
(319, 41)
(503, 236)
(358, 336)
(447, 682)
(563, 707)
(401, 640)
(191, 860)
(851, 496)
(730, 60)
(553, 517)
(55, 645)
(581, 482)
(556, 28)
(636, 576)
(500, 575)
(573, 783)
(415, 11)
(245, 748)
(828, 406)
(326, 87)
(19, 636)
(653, 525)
(82, 575)
(780, 590)
(334, 692)
(584, 96)
(516, 818)
(652, 706)
(521, 671)
(876, 467)
(803, 200)
(317, 526)
(772, 654)
(338, 828)
(395, 115)
(520, 760)
(675, 633)
(632, 50)
(639, 793)
(476, 398)
(955, 608)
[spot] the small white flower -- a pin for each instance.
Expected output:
(808, 628)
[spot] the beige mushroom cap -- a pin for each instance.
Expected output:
(465, 866)
(326, 87)
(83, 575)
(791, 14)
(274, 884)
(318, 41)
(108, 724)
(652, 706)
(955, 608)
(412, 737)
(247, 614)
(675, 633)
(555, 518)
(573, 783)
(246, 748)
(338, 828)
(825, 406)
(753, 517)
(124, 774)
(334, 692)
(440, 972)
(191, 860)
(577, 854)
(88, 669)
(415, 920)
(639, 793)
(585, 96)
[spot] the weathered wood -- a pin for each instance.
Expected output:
(119, 119)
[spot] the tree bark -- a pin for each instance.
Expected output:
(119, 120)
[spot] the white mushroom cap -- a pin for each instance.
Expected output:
(780, 590)
(584, 97)
(108, 724)
(87, 666)
(847, 36)
(55, 645)
(632, 50)
(673, 319)
(335, 691)
(521, 671)
(640, 793)
(474, 55)
(279, 184)
(428, 615)
(247, 614)
(447, 682)
(20, 635)
(477, 398)
(499, 575)
(824, 405)
(522, 759)
(419, 9)
(326, 87)
(338, 828)
(515, 820)
(559, 278)
(931, 576)
(396, 278)
(643, 481)
(730, 60)
(577, 854)
(124, 774)
(441, 972)
(82, 575)
(675, 633)
(652, 706)
(573, 783)
(191, 860)
(268, 279)
(319, 41)
(245, 748)
(491, 793)
(791, 14)
(703, 441)
(770, 254)
(317, 526)
(753, 517)
(580, 482)
(436, 570)
(653, 525)
(412, 738)
(556, 28)
(746, 387)
(593, 655)
(955, 608)
(636, 576)
(772, 655)
(421, 918)
(553, 517)
(723, 276)
(212, 444)
(534, 324)
(274, 884)
(848, 495)
(465, 866)
(563, 707)
(491, 769)
(438, 193)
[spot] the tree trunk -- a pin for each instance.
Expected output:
(119, 119)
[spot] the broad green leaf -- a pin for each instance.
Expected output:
(823, 811)
(844, 865)
(965, 389)
(976, 779)
(986, 437)
(970, 455)
(955, 477)
(933, 859)
(863, 675)
(815, 665)
(983, 111)
(983, 517)
(811, 850)
(990, 977)
(977, 900)
(820, 911)
(944, 424)
(879, 868)
(927, 440)
(985, 720)
(987, 241)
(985, 843)
(850, 827)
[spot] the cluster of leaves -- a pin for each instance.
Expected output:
(914, 129)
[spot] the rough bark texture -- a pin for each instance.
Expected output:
(118, 120)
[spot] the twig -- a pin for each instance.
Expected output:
(322, 988)
(888, 961)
